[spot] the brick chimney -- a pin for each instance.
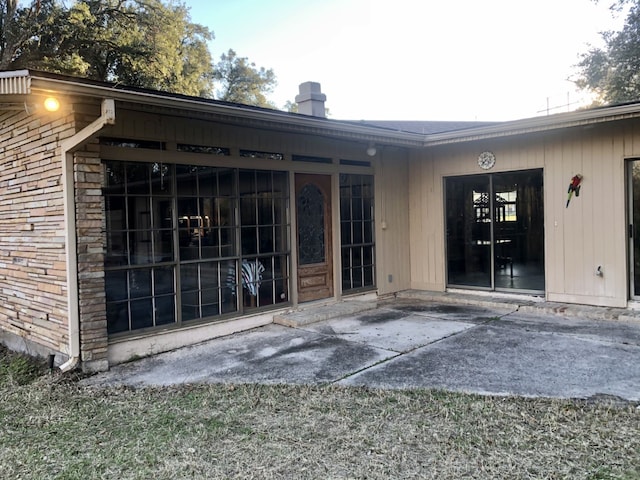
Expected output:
(311, 100)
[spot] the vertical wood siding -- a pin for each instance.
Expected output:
(392, 245)
(591, 232)
(390, 168)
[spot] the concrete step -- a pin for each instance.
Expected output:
(316, 313)
(525, 304)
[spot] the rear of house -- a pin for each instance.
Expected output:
(510, 225)
(137, 221)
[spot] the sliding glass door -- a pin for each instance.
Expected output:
(495, 231)
(633, 176)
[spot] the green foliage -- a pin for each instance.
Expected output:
(140, 43)
(242, 82)
(613, 72)
(19, 27)
(143, 44)
(291, 107)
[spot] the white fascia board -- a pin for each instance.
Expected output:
(275, 119)
(327, 127)
(537, 124)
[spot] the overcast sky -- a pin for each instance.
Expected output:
(415, 60)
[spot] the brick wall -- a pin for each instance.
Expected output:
(33, 292)
(90, 226)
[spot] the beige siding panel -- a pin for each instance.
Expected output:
(554, 194)
(591, 232)
(570, 163)
(175, 129)
(391, 212)
(426, 226)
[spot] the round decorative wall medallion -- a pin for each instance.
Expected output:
(486, 160)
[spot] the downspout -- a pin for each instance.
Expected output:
(68, 146)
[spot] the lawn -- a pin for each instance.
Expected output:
(50, 427)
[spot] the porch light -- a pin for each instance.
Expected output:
(51, 104)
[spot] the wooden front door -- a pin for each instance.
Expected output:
(315, 253)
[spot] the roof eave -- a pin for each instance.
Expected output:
(21, 82)
(264, 117)
(578, 118)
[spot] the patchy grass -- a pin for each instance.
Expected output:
(53, 428)
(19, 369)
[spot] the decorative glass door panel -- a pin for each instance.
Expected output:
(311, 225)
(315, 259)
(495, 231)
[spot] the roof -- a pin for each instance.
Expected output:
(425, 127)
(414, 134)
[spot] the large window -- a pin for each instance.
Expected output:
(140, 274)
(264, 220)
(188, 242)
(356, 232)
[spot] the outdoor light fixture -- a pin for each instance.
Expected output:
(48, 105)
(371, 150)
(51, 104)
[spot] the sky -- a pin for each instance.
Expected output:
(478, 60)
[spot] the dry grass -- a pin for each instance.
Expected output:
(52, 428)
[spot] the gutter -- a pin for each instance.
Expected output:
(229, 112)
(579, 118)
(68, 146)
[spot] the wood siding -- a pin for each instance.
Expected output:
(392, 222)
(591, 232)
(390, 167)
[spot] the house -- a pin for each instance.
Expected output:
(135, 221)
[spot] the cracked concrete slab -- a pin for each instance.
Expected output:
(410, 343)
(273, 354)
(499, 360)
(390, 329)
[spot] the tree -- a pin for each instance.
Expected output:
(140, 43)
(241, 82)
(291, 107)
(18, 27)
(613, 72)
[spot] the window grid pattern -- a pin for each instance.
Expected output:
(264, 219)
(139, 276)
(207, 232)
(189, 242)
(357, 232)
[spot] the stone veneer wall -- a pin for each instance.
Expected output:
(33, 290)
(91, 228)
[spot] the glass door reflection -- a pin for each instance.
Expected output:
(495, 231)
(469, 231)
